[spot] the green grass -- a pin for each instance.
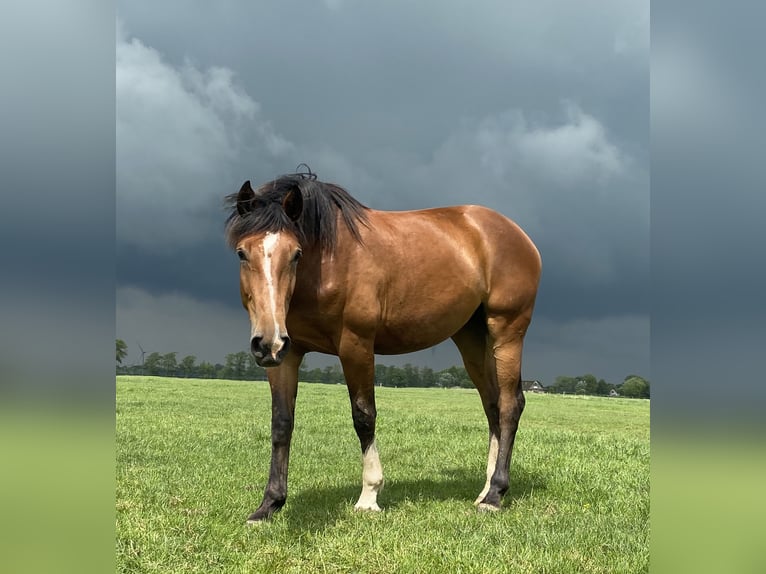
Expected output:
(193, 457)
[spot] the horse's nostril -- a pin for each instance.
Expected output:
(255, 346)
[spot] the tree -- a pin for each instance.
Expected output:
(635, 387)
(236, 365)
(187, 365)
(428, 377)
(152, 363)
(463, 378)
(396, 377)
(381, 376)
(564, 385)
(253, 372)
(313, 376)
(603, 388)
(445, 379)
(411, 375)
(591, 384)
(168, 364)
(332, 374)
(206, 370)
(122, 350)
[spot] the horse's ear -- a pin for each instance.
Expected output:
(293, 203)
(245, 199)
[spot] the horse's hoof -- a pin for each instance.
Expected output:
(484, 507)
(258, 517)
(254, 521)
(367, 507)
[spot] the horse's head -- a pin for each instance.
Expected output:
(268, 268)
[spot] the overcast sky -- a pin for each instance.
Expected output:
(539, 110)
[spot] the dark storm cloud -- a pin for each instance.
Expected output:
(209, 271)
(540, 113)
(397, 75)
(180, 134)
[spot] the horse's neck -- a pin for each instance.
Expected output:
(320, 276)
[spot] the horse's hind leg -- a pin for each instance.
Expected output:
(507, 337)
(471, 341)
(358, 363)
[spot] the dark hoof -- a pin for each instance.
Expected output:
(484, 507)
(258, 517)
(261, 515)
(265, 511)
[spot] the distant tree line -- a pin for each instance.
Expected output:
(632, 386)
(242, 366)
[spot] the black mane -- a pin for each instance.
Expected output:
(317, 223)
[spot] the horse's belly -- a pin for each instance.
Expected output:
(412, 330)
(389, 346)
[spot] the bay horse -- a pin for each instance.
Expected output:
(321, 272)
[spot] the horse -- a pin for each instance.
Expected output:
(321, 272)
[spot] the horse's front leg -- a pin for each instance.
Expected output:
(283, 381)
(358, 361)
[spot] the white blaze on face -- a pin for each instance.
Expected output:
(372, 480)
(269, 244)
(491, 463)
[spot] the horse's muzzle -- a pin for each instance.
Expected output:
(265, 354)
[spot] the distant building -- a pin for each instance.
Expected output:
(533, 386)
(614, 393)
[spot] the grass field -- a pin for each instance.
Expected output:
(193, 458)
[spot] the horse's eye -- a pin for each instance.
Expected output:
(242, 255)
(298, 255)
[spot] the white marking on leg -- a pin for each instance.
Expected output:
(491, 464)
(372, 480)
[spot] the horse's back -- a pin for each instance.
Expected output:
(472, 249)
(492, 242)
